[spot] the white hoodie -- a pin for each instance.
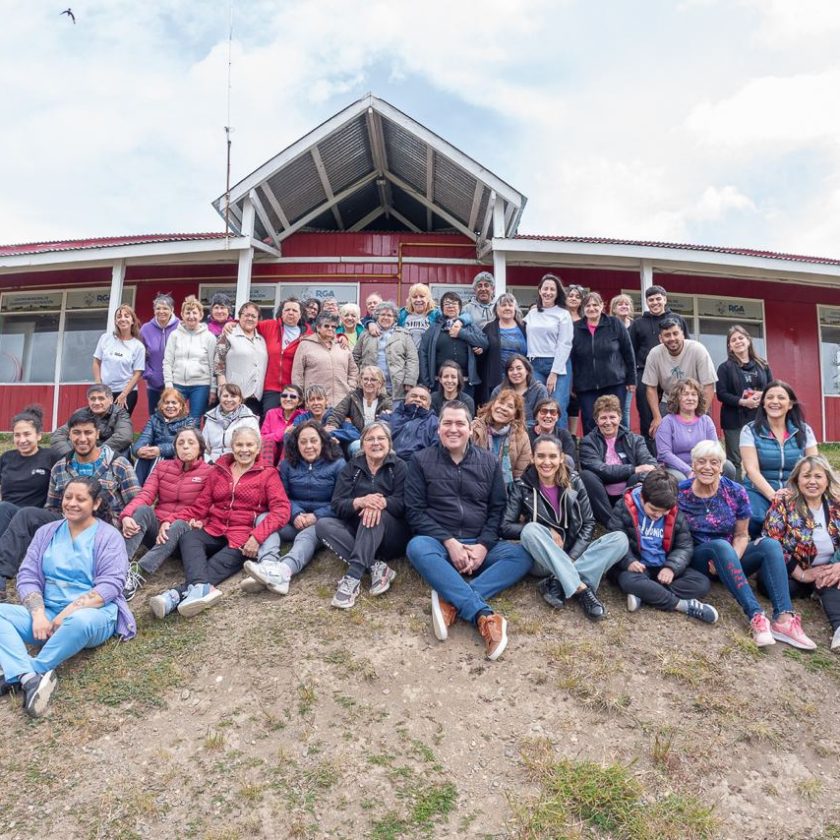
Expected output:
(188, 358)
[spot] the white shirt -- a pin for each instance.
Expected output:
(549, 335)
(119, 359)
(822, 539)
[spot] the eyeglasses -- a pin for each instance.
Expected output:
(289, 397)
(550, 411)
(328, 327)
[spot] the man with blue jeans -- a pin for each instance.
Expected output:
(455, 499)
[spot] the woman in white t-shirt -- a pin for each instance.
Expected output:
(805, 521)
(549, 338)
(120, 358)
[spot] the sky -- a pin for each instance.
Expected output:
(701, 121)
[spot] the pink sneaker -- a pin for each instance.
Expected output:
(762, 635)
(791, 632)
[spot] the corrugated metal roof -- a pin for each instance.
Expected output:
(330, 170)
(715, 249)
(101, 242)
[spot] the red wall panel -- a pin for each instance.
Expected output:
(14, 398)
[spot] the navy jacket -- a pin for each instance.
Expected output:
(429, 362)
(310, 486)
(602, 360)
(412, 428)
(465, 501)
(161, 432)
(356, 480)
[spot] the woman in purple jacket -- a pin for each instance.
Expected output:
(70, 587)
(154, 335)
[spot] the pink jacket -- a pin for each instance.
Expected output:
(173, 487)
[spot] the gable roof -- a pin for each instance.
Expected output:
(370, 165)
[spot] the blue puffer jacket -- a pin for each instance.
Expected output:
(412, 428)
(310, 486)
(161, 432)
(776, 461)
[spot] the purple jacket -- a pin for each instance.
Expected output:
(110, 568)
(675, 440)
(154, 337)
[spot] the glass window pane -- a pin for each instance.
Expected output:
(81, 332)
(830, 354)
(713, 336)
(28, 345)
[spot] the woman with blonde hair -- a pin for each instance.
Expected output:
(157, 440)
(621, 307)
(419, 313)
(364, 404)
(189, 358)
(120, 358)
(805, 522)
(500, 427)
(351, 327)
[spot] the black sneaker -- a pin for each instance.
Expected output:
(37, 691)
(552, 592)
(3, 596)
(5, 687)
(593, 609)
(702, 612)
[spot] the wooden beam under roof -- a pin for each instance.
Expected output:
(325, 183)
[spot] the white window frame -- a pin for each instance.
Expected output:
(298, 285)
(820, 309)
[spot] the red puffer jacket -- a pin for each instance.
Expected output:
(278, 374)
(232, 511)
(174, 488)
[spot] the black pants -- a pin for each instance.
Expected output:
(270, 399)
(602, 503)
(690, 584)
(208, 559)
(829, 598)
(18, 535)
(130, 400)
(586, 400)
(7, 514)
(256, 406)
(360, 547)
(645, 414)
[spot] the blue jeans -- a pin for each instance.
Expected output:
(759, 507)
(562, 388)
(505, 564)
(588, 569)
(198, 396)
(85, 628)
(765, 557)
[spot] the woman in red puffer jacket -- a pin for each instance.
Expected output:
(241, 504)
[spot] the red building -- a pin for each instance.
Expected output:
(371, 200)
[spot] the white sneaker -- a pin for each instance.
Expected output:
(251, 586)
(199, 597)
(835, 641)
(274, 575)
(634, 602)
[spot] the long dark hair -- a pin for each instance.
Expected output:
(529, 368)
(96, 491)
(561, 292)
(330, 450)
(795, 413)
(561, 477)
(751, 354)
(302, 320)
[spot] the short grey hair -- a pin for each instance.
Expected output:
(486, 276)
(327, 318)
(708, 449)
(315, 391)
(245, 430)
(165, 299)
(350, 309)
(386, 306)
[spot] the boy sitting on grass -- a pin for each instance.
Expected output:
(655, 570)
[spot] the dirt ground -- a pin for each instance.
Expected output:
(279, 717)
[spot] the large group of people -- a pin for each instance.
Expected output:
(440, 432)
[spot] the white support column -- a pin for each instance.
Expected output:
(246, 257)
(646, 280)
(115, 296)
(499, 257)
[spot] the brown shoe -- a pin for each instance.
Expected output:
(493, 629)
(444, 615)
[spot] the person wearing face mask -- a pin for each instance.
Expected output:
(156, 516)
(282, 336)
(321, 360)
(227, 525)
(506, 338)
(158, 435)
(223, 420)
(120, 358)
(480, 307)
(154, 335)
(70, 587)
(392, 350)
(413, 423)
(548, 512)
(189, 359)
(500, 428)
(368, 528)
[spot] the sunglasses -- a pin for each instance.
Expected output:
(289, 396)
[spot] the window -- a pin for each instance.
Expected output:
(34, 333)
(28, 345)
(830, 350)
(268, 295)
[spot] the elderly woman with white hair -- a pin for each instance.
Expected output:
(351, 327)
(393, 351)
(718, 513)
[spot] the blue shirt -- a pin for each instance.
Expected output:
(651, 534)
(512, 341)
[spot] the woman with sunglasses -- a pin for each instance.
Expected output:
(278, 421)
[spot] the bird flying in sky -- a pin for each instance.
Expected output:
(69, 13)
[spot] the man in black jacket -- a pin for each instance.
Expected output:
(112, 422)
(656, 569)
(454, 501)
(644, 335)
